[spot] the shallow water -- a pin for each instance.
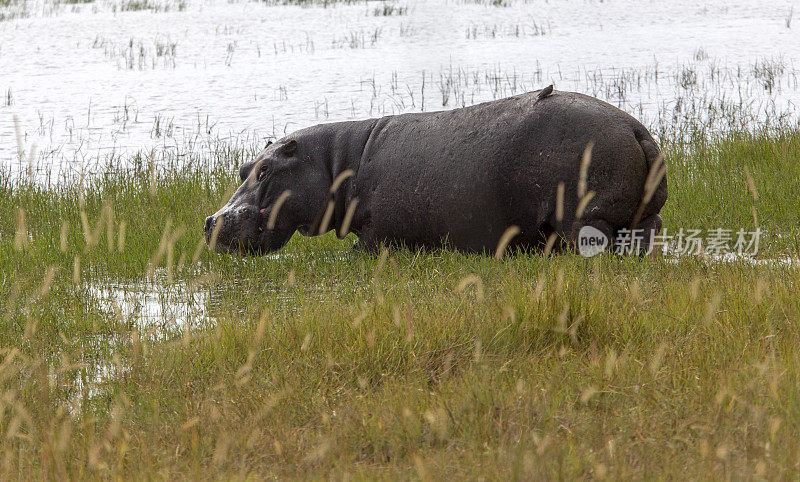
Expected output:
(734, 258)
(156, 309)
(85, 80)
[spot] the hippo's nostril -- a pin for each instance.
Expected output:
(209, 224)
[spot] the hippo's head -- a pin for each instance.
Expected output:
(281, 191)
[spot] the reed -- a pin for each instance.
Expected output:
(129, 348)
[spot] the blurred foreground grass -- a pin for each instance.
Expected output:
(323, 359)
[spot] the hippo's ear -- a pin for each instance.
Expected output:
(289, 148)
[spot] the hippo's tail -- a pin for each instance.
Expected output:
(654, 192)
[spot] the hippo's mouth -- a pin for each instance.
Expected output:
(243, 231)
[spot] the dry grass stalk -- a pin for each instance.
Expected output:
(273, 215)
(506, 238)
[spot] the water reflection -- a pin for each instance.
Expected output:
(155, 309)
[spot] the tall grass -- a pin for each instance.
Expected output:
(324, 359)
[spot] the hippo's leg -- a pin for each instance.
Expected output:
(367, 246)
(368, 242)
(650, 227)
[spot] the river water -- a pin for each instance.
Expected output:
(81, 81)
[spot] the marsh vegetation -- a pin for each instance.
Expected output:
(128, 347)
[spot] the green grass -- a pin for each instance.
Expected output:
(709, 186)
(327, 360)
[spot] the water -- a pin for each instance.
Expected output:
(86, 80)
(156, 309)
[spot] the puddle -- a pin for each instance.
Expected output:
(674, 257)
(88, 383)
(157, 310)
(732, 258)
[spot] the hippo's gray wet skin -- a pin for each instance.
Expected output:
(459, 178)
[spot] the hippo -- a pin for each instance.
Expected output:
(529, 172)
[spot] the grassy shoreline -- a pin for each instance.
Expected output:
(431, 365)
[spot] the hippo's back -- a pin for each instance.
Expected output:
(468, 174)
